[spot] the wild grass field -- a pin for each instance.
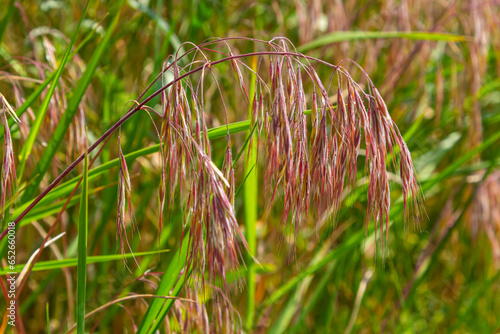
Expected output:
(250, 166)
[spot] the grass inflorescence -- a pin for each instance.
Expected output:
(254, 186)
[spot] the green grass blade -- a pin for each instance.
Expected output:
(160, 23)
(342, 36)
(244, 181)
(319, 291)
(158, 308)
(244, 147)
(6, 18)
(73, 103)
(459, 162)
(250, 195)
(285, 288)
(295, 301)
(83, 226)
(35, 127)
(283, 320)
(221, 131)
(73, 262)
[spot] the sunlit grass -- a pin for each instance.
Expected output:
(436, 66)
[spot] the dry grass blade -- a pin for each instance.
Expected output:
(8, 178)
(122, 299)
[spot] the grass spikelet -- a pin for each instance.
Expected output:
(125, 208)
(9, 178)
(214, 214)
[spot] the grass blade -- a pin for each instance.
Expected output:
(73, 262)
(73, 103)
(293, 304)
(6, 18)
(244, 147)
(250, 195)
(342, 36)
(82, 249)
(170, 281)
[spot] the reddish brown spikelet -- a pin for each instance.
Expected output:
(239, 76)
(124, 204)
(214, 233)
(193, 317)
(287, 141)
(213, 216)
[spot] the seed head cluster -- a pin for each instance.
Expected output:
(310, 160)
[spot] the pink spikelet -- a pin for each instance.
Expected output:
(205, 192)
(125, 208)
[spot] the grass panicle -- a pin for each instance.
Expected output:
(289, 169)
(302, 167)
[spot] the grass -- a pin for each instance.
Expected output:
(436, 66)
(171, 284)
(83, 226)
(251, 190)
(35, 127)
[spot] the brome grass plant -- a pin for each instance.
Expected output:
(249, 183)
(303, 168)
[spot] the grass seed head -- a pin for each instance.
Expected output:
(313, 169)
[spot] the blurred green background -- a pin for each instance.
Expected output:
(436, 65)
